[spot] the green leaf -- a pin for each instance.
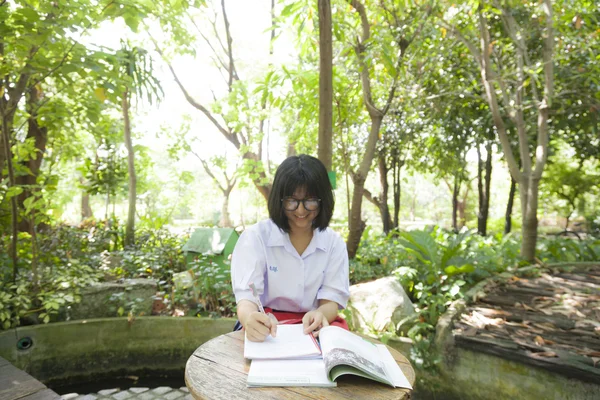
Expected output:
(13, 191)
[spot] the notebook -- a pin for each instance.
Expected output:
(290, 342)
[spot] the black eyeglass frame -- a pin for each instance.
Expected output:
(303, 203)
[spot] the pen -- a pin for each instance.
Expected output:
(255, 294)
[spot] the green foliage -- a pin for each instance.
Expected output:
(436, 267)
(52, 270)
(156, 254)
(210, 292)
(568, 249)
(568, 183)
(68, 259)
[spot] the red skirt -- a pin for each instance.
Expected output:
(286, 318)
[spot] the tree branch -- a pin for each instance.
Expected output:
(215, 53)
(518, 107)
(226, 132)
(541, 152)
(486, 72)
(373, 199)
(359, 48)
(208, 171)
(515, 33)
(232, 72)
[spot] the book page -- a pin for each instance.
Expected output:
(288, 373)
(289, 342)
(392, 369)
(341, 347)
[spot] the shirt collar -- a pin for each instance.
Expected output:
(278, 238)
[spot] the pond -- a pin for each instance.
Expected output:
(88, 356)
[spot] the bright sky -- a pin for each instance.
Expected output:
(249, 21)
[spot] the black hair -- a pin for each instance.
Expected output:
(302, 171)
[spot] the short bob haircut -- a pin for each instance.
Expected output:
(302, 171)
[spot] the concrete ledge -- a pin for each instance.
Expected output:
(465, 374)
(478, 376)
(85, 350)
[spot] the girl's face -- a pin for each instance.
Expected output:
(301, 219)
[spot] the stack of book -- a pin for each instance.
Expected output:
(295, 359)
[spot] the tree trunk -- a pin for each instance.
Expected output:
(291, 148)
(40, 137)
(6, 134)
(483, 186)
(325, 85)
(462, 213)
(396, 167)
(509, 206)
(355, 224)
(480, 193)
(455, 191)
(488, 184)
(384, 209)
(130, 227)
(225, 220)
(86, 209)
(530, 222)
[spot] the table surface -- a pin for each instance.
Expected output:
(218, 370)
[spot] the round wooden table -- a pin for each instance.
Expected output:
(218, 370)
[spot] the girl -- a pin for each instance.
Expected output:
(298, 265)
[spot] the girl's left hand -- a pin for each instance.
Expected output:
(313, 321)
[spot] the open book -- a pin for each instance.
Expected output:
(343, 353)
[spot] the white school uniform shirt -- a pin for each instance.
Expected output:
(285, 280)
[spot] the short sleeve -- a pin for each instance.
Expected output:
(336, 284)
(248, 265)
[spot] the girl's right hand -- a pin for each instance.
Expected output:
(258, 326)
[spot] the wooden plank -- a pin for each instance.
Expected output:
(16, 384)
(3, 362)
(45, 394)
(588, 278)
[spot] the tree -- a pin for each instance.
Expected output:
(532, 86)
(325, 84)
(34, 51)
(135, 71)
(238, 116)
(366, 69)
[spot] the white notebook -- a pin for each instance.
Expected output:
(290, 342)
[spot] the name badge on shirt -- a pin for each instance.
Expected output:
(272, 268)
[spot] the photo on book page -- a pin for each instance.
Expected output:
(338, 356)
(346, 353)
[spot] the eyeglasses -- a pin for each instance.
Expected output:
(291, 204)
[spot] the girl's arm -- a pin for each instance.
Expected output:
(328, 308)
(314, 320)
